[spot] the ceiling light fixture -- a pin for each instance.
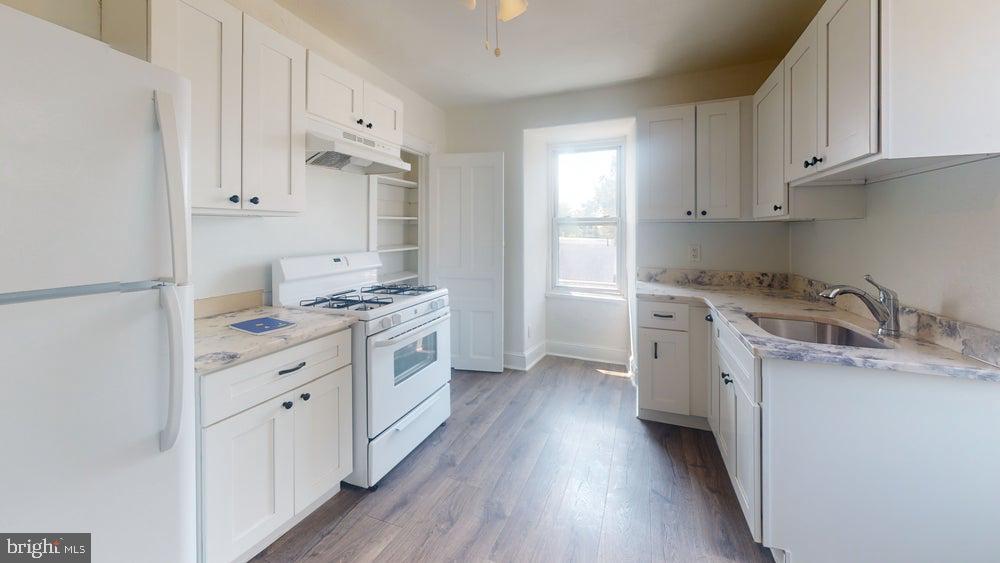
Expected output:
(504, 11)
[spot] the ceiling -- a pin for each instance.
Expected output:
(436, 46)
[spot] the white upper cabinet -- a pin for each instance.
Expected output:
(847, 39)
(801, 97)
(274, 80)
(203, 40)
(334, 93)
(383, 114)
(339, 96)
(718, 160)
(666, 138)
(770, 193)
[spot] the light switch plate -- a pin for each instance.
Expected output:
(694, 253)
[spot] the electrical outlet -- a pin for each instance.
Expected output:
(694, 253)
(529, 332)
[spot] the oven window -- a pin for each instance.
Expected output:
(412, 358)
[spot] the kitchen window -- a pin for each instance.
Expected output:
(586, 187)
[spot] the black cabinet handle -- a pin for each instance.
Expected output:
(816, 160)
(290, 370)
(690, 213)
(255, 200)
(305, 396)
(805, 164)
(656, 350)
(234, 198)
(777, 207)
(369, 125)
(703, 212)
(726, 379)
(663, 316)
(709, 318)
(361, 122)
(287, 405)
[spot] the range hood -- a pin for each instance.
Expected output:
(329, 146)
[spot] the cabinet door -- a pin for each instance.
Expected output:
(333, 93)
(770, 193)
(718, 160)
(274, 133)
(664, 371)
(383, 115)
(666, 163)
(714, 382)
(746, 479)
(801, 110)
(847, 37)
(727, 414)
(247, 477)
(203, 40)
(323, 454)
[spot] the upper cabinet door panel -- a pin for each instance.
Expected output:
(847, 36)
(383, 115)
(203, 40)
(718, 159)
(769, 189)
(801, 110)
(273, 119)
(666, 163)
(334, 93)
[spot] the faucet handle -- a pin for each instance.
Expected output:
(883, 291)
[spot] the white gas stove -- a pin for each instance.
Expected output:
(401, 351)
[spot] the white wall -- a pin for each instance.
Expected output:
(500, 127)
(82, 16)
(935, 238)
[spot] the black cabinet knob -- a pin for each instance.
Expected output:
(234, 198)
(361, 122)
(305, 396)
(805, 164)
(369, 125)
(689, 213)
(255, 200)
(816, 160)
(287, 405)
(709, 318)
(703, 212)
(777, 208)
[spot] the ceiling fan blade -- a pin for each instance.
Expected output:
(510, 9)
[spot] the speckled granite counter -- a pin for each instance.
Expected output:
(216, 346)
(906, 353)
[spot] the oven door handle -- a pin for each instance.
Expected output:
(419, 331)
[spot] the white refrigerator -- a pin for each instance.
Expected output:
(97, 423)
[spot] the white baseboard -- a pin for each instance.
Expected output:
(526, 361)
(588, 352)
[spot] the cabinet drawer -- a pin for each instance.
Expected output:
(230, 391)
(670, 316)
(391, 446)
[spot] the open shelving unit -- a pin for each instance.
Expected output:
(394, 220)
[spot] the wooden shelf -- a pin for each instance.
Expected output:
(395, 277)
(398, 182)
(398, 248)
(395, 218)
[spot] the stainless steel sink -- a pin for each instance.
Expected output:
(813, 331)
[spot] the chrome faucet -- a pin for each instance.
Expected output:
(885, 307)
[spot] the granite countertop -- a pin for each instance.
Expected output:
(216, 346)
(733, 303)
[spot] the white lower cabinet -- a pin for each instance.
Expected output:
(264, 467)
(726, 435)
(248, 482)
(664, 373)
(746, 477)
(323, 452)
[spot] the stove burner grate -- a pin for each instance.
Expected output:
(351, 300)
(398, 289)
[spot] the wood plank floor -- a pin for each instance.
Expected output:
(545, 465)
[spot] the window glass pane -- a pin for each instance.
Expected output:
(588, 183)
(588, 255)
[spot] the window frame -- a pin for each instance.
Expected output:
(555, 221)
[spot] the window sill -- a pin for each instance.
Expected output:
(582, 295)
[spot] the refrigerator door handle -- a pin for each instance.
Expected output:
(177, 195)
(170, 300)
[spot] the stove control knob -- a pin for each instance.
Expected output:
(386, 322)
(396, 319)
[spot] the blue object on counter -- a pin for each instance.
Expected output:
(263, 325)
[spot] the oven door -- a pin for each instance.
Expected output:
(406, 364)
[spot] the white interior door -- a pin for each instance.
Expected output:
(466, 253)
